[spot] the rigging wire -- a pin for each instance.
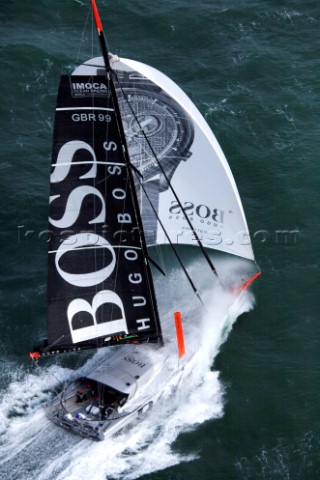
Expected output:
(170, 242)
(82, 38)
(55, 391)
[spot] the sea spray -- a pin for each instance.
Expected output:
(147, 445)
(144, 447)
(22, 416)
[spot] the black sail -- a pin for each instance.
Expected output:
(100, 290)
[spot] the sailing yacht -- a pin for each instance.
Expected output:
(134, 165)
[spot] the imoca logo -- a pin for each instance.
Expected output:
(89, 88)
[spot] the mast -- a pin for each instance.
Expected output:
(109, 73)
(105, 54)
(102, 39)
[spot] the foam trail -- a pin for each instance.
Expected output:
(22, 417)
(31, 444)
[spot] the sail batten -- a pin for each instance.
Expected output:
(94, 247)
(63, 164)
(64, 109)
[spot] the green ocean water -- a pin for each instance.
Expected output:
(252, 68)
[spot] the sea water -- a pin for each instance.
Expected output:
(250, 410)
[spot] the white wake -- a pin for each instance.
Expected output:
(31, 447)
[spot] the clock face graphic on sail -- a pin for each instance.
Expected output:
(160, 132)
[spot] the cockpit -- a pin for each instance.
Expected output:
(99, 399)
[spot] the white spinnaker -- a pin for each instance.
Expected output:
(203, 182)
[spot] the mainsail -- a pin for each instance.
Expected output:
(99, 284)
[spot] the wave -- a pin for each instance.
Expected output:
(32, 447)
